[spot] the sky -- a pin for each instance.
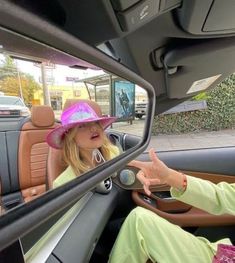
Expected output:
(59, 73)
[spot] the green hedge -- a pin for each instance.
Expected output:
(219, 115)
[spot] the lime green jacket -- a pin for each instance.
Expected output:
(68, 175)
(216, 199)
(65, 177)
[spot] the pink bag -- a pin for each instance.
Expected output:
(224, 254)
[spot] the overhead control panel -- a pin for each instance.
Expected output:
(132, 14)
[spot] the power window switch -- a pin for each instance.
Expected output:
(138, 15)
(121, 5)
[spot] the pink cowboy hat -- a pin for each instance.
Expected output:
(78, 113)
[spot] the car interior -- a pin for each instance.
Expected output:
(172, 49)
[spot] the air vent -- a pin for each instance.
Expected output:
(108, 183)
(104, 187)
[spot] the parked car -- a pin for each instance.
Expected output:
(171, 49)
(12, 106)
(140, 109)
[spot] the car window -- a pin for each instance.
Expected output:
(205, 121)
(11, 101)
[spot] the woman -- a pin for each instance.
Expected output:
(144, 235)
(82, 139)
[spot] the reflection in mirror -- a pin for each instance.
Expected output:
(32, 76)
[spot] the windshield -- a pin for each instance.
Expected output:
(11, 101)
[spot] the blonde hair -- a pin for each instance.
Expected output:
(72, 156)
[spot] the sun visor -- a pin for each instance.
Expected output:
(207, 17)
(195, 68)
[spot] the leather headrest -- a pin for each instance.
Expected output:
(91, 103)
(42, 116)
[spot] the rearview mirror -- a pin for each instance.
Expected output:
(32, 74)
(26, 86)
(31, 69)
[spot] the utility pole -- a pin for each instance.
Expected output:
(20, 86)
(19, 81)
(46, 93)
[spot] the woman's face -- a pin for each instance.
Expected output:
(90, 135)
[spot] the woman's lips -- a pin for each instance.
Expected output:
(95, 136)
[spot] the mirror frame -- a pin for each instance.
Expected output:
(24, 218)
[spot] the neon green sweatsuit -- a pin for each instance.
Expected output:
(144, 235)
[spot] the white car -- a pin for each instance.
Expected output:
(13, 106)
(140, 109)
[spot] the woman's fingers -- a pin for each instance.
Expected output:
(146, 182)
(137, 164)
(148, 173)
(140, 176)
(146, 189)
(154, 181)
(153, 156)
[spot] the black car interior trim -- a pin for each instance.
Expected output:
(86, 229)
(208, 160)
(194, 59)
(56, 232)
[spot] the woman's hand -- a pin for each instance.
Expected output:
(151, 173)
(156, 172)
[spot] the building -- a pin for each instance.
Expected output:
(59, 94)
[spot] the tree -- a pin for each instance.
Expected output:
(10, 86)
(8, 68)
(12, 81)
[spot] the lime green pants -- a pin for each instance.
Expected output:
(144, 235)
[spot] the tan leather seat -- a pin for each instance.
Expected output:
(33, 152)
(55, 165)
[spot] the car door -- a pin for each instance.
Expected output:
(203, 153)
(214, 164)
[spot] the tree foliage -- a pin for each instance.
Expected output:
(8, 68)
(12, 80)
(220, 113)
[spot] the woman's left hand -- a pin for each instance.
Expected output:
(151, 173)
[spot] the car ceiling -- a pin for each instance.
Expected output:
(172, 44)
